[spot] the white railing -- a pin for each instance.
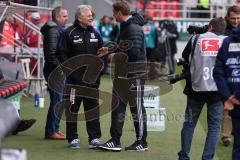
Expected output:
(8, 9)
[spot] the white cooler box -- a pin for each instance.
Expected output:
(156, 119)
(151, 97)
(156, 116)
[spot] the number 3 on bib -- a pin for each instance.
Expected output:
(207, 73)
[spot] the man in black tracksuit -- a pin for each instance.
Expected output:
(81, 39)
(130, 31)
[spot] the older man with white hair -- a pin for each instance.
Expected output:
(81, 39)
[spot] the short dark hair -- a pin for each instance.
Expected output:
(123, 7)
(234, 9)
(56, 11)
(218, 25)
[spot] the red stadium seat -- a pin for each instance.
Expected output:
(139, 5)
(175, 5)
(151, 13)
(7, 92)
(151, 5)
(162, 5)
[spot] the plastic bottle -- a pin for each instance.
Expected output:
(36, 100)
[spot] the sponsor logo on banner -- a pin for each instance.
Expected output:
(210, 46)
(234, 47)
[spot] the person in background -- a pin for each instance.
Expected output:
(116, 29)
(95, 22)
(151, 39)
(51, 32)
(105, 29)
(32, 36)
(227, 76)
(150, 36)
(233, 21)
(172, 36)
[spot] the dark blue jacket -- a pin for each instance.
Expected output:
(227, 68)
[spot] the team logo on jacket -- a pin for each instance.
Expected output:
(210, 46)
(93, 35)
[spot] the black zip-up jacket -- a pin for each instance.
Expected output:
(132, 30)
(51, 32)
(77, 40)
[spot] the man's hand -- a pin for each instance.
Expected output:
(234, 100)
(229, 104)
(102, 51)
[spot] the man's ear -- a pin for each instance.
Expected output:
(79, 18)
(210, 28)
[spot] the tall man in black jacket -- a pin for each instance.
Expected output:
(51, 31)
(82, 40)
(131, 31)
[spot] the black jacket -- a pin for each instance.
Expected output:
(77, 40)
(51, 32)
(132, 30)
(228, 30)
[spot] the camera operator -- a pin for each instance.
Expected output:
(233, 21)
(200, 55)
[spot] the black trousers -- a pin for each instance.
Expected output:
(151, 55)
(125, 96)
(91, 112)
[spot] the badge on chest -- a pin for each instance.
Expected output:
(93, 38)
(77, 39)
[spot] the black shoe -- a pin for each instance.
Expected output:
(226, 141)
(137, 146)
(110, 146)
(24, 125)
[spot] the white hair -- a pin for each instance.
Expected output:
(81, 9)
